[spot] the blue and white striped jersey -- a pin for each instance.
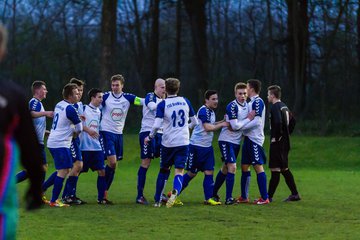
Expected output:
(199, 136)
(92, 120)
(234, 110)
(65, 116)
(175, 112)
(114, 110)
(256, 132)
(148, 118)
(39, 122)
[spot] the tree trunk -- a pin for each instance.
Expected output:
(358, 33)
(108, 40)
(197, 16)
(178, 39)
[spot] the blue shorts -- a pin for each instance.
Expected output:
(75, 149)
(93, 160)
(252, 153)
(200, 159)
(62, 158)
(173, 156)
(43, 154)
(229, 151)
(113, 144)
(151, 150)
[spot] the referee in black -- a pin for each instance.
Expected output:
(280, 144)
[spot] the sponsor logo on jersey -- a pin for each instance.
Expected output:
(94, 124)
(117, 114)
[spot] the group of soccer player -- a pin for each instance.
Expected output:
(83, 136)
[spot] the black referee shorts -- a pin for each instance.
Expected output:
(278, 155)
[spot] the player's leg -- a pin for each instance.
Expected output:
(245, 172)
(191, 166)
(221, 175)
(275, 163)
(233, 151)
(290, 182)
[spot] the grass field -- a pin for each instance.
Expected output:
(327, 172)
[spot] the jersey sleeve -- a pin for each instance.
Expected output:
(150, 97)
(191, 109)
(105, 96)
(72, 114)
(204, 115)
(258, 106)
(160, 110)
(132, 99)
(35, 105)
(232, 111)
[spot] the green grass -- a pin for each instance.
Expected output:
(326, 171)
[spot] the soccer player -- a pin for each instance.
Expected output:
(61, 134)
(201, 153)
(173, 115)
(39, 115)
(238, 114)
(151, 150)
(17, 140)
(93, 155)
(253, 151)
(69, 193)
(114, 109)
(280, 144)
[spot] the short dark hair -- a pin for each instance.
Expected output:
(93, 92)
(239, 85)
(36, 85)
(78, 82)
(172, 85)
(209, 93)
(68, 90)
(275, 90)
(118, 77)
(255, 84)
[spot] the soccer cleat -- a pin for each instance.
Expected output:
(105, 202)
(73, 201)
(164, 198)
(58, 203)
(171, 200)
(293, 198)
(242, 200)
(216, 197)
(157, 204)
(178, 202)
(230, 201)
(44, 200)
(261, 201)
(142, 200)
(211, 202)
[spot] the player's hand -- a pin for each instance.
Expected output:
(251, 115)
(273, 140)
(225, 124)
(147, 140)
(49, 114)
(47, 133)
(82, 118)
(93, 134)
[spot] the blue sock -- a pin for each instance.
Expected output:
(49, 182)
(43, 174)
(109, 176)
(245, 183)
(208, 185)
(178, 180)
(58, 184)
(101, 186)
(141, 181)
(66, 190)
(160, 181)
(261, 179)
(21, 176)
(72, 185)
(186, 180)
(220, 179)
(229, 184)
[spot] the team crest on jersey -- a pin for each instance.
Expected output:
(94, 124)
(117, 114)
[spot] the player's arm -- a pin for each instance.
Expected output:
(137, 101)
(276, 124)
(258, 107)
(204, 116)
(35, 108)
(150, 101)
(160, 110)
(192, 115)
(237, 124)
(73, 116)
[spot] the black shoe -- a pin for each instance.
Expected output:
(80, 200)
(216, 198)
(142, 200)
(230, 201)
(105, 202)
(71, 201)
(293, 198)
